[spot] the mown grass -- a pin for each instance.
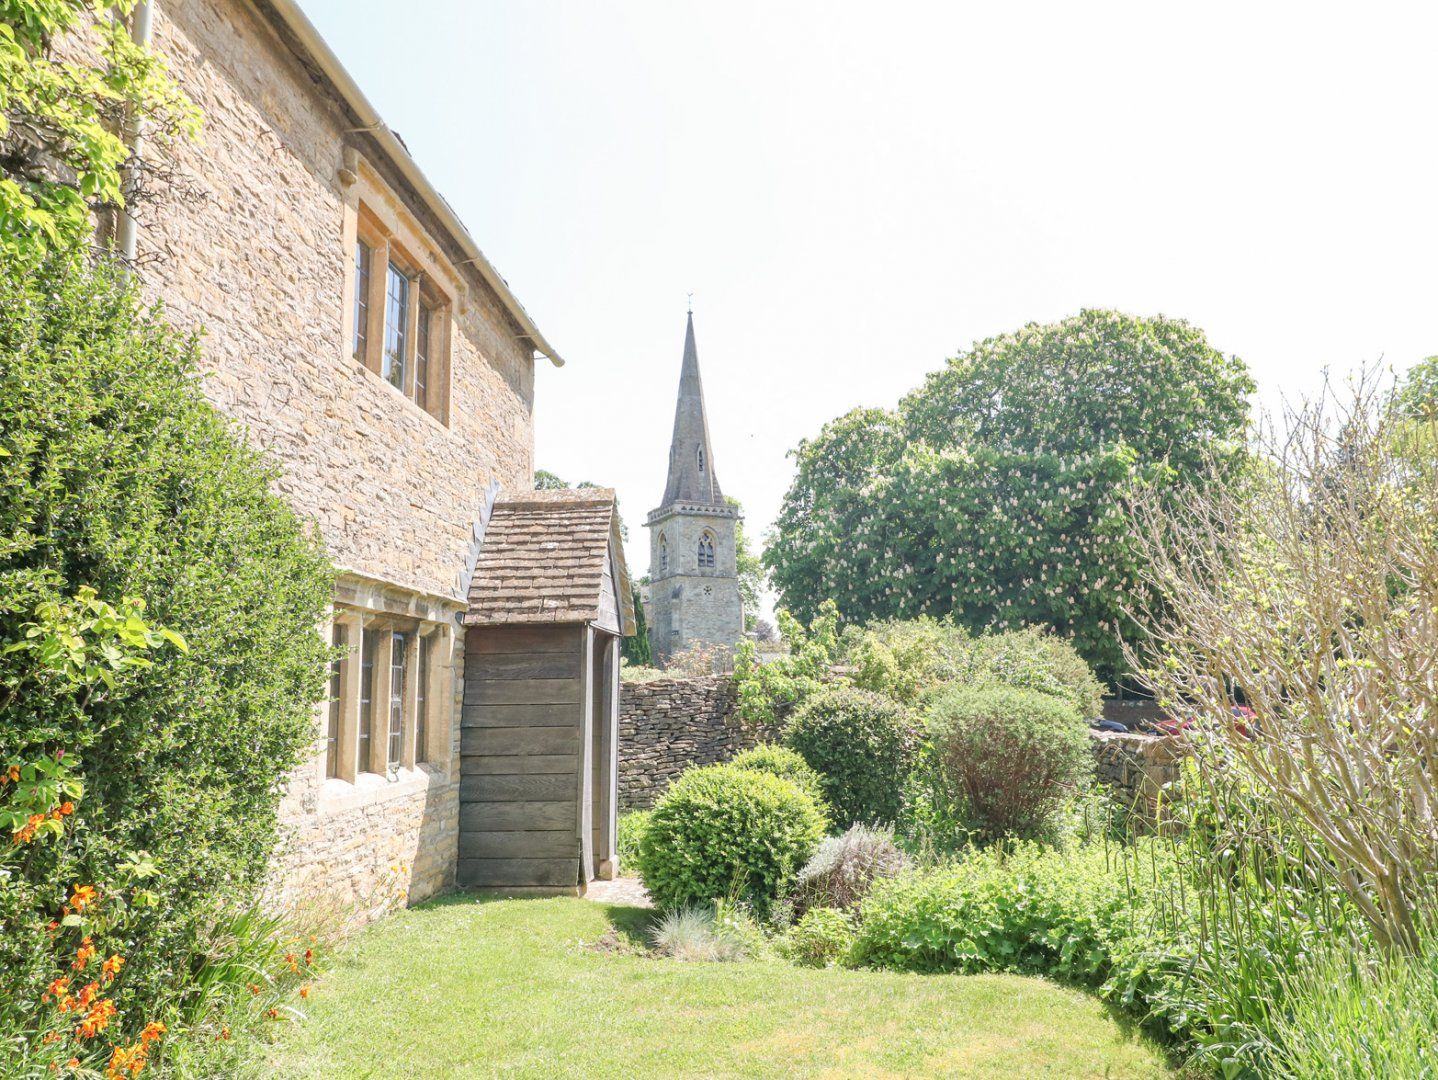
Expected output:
(463, 987)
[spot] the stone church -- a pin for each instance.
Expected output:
(694, 578)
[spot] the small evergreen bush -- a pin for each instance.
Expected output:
(726, 833)
(845, 868)
(822, 938)
(784, 763)
(862, 745)
(1010, 756)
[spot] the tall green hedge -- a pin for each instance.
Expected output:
(116, 473)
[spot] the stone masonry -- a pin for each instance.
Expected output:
(667, 725)
(260, 263)
(1137, 767)
(693, 570)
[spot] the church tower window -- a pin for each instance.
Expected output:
(706, 551)
(701, 460)
(663, 552)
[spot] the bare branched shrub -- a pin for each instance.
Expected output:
(1309, 593)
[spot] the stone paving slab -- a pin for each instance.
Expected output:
(628, 891)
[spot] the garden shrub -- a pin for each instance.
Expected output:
(909, 659)
(822, 938)
(1011, 755)
(632, 824)
(845, 868)
(862, 745)
(119, 476)
(1031, 910)
(784, 763)
(726, 833)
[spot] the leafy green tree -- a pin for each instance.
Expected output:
(62, 119)
(1417, 393)
(997, 492)
(635, 648)
(750, 568)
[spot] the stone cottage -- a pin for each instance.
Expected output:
(357, 333)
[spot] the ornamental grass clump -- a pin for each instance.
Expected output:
(726, 833)
(1010, 756)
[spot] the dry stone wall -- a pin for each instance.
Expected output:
(1136, 767)
(667, 725)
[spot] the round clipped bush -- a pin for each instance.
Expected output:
(784, 763)
(725, 833)
(862, 745)
(822, 938)
(1010, 755)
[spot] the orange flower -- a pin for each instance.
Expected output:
(224, 1034)
(51, 1037)
(13, 775)
(56, 989)
(273, 1014)
(304, 992)
(153, 1030)
(83, 955)
(292, 962)
(254, 989)
(125, 1060)
(83, 897)
(111, 967)
(67, 808)
(73, 1063)
(52, 927)
(97, 1019)
(309, 956)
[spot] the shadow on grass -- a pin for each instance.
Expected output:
(633, 923)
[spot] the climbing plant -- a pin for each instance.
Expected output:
(63, 118)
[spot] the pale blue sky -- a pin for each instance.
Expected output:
(854, 192)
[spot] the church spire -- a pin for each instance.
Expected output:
(691, 463)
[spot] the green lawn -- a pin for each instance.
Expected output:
(524, 988)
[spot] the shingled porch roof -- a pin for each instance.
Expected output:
(543, 560)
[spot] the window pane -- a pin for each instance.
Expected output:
(337, 682)
(361, 331)
(367, 676)
(421, 357)
(421, 693)
(396, 325)
(398, 657)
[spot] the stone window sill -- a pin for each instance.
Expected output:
(370, 789)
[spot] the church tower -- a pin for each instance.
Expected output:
(694, 581)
